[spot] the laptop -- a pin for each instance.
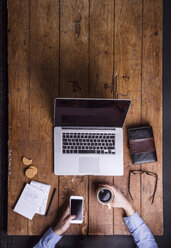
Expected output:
(88, 136)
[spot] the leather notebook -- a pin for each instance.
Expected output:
(141, 144)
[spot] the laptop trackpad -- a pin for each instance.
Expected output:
(89, 165)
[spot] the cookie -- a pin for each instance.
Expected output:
(34, 168)
(26, 161)
(30, 172)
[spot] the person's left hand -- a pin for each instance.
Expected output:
(120, 200)
(64, 222)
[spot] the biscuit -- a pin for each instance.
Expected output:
(30, 173)
(26, 161)
(34, 168)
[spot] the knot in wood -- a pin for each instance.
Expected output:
(106, 86)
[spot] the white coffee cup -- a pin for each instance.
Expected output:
(105, 196)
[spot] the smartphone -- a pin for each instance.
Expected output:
(76, 207)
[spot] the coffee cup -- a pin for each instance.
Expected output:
(105, 196)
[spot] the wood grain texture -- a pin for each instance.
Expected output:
(74, 48)
(101, 75)
(152, 109)
(74, 83)
(128, 39)
(101, 48)
(18, 71)
(44, 87)
(82, 48)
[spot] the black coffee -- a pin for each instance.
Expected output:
(105, 195)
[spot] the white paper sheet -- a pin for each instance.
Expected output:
(45, 188)
(29, 201)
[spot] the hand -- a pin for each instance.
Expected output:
(64, 222)
(120, 200)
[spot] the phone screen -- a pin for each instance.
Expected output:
(76, 208)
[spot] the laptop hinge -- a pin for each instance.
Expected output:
(90, 128)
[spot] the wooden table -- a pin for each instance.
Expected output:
(71, 48)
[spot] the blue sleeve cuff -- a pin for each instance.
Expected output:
(49, 239)
(50, 233)
(142, 235)
(133, 222)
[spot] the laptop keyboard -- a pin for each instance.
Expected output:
(97, 143)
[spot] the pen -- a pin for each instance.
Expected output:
(50, 203)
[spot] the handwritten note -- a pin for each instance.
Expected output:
(33, 200)
(29, 201)
(45, 188)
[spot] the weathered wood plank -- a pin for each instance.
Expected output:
(18, 74)
(101, 75)
(73, 48)
(44, 75)
(74, 83)
(152, 109)
(128, 39)
(31, 105)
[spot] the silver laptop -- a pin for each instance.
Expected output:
(88, 136)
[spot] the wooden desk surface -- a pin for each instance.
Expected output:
(70, 48)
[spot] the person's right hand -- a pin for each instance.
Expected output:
(120, 200)
(64, 222)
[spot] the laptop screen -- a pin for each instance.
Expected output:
(90, 112)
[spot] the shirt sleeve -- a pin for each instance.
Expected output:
(49, 240)
(142, 235)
